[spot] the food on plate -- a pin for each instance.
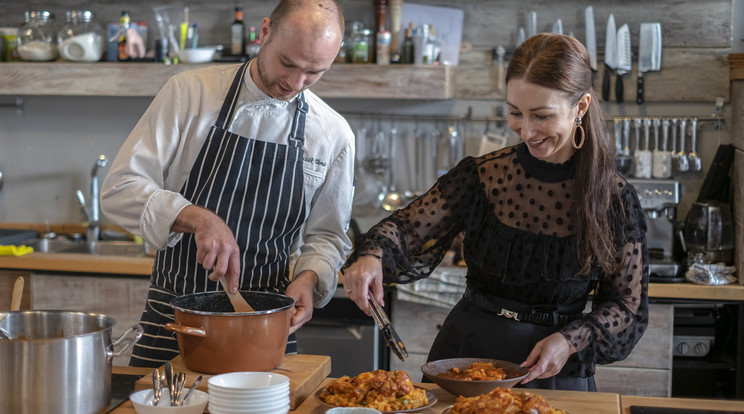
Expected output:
(379, 389)
(477, 371)
(504, 401)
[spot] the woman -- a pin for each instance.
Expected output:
(545, 223)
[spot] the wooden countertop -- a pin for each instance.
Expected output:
(627, 400)
(79, 263)
(86, 263)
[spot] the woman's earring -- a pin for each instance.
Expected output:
(583, 136)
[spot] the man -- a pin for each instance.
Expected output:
(233, 168)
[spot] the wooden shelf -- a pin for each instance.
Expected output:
(145, 79)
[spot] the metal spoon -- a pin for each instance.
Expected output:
(393, 199)
(180, 380)
(156, 387)
(169, 380)
(192, 388)
(683, 163)
(695, 161)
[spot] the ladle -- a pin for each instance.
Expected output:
(237, 300)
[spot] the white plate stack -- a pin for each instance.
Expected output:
(249, 393)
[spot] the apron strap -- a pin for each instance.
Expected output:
(297, 133)
(228, 105)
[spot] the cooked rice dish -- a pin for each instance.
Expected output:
(477, 371)
(504, 401)
(380, 389)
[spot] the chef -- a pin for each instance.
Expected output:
(233, 169)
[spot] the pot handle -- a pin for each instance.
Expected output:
(185, 330)
(135, 331)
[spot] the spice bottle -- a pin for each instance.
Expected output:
(237, 34)
(123, 55)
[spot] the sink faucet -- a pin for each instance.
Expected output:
(93, 214)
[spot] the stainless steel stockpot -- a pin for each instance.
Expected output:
(58, 361)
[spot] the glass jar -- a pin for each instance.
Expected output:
(37, 38)
(81, 38)
(360, 43)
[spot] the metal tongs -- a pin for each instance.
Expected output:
(391, 337)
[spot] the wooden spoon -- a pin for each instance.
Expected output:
(237, 300)
(15, 301)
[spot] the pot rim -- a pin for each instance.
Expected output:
(221, 293)
(112, 323)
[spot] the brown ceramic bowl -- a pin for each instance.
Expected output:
(465, 388)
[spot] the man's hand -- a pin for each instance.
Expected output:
(548, 357)
(301, 290)
(216, 249)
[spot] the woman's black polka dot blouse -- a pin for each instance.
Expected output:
(515, 214)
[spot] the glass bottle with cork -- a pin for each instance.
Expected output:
(407, 49)
(237, 34)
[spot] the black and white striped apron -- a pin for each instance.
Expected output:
(256, 187)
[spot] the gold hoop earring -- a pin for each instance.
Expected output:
(573, 137)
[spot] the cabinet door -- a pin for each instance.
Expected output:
(122, 298)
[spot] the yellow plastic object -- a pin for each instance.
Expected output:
(15, 250)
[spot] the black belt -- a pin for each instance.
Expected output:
(548, 315)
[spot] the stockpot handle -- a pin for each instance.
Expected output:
(132, 335)
(186, 330)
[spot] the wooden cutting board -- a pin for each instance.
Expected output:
(305, 373)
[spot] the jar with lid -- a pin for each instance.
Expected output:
(80, 39)
(37, 39)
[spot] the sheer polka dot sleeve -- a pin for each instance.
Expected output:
(413, 240)
(619, 313)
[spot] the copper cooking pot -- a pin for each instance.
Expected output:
(213, 339)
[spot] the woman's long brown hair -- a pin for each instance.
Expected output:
(562, 63)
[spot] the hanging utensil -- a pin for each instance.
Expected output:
(392, 200)
(649, 54)
(386, 328)
(696, 163)
(591, 37)
(624, 61)
(610, 56)
(683, 164)
(644, 158)
(237, 300)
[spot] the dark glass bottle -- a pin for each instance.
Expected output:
(407, 48)
(237, 34)
(123, 56)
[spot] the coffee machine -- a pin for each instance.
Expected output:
(659, 199)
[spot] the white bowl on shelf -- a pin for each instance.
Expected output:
(196, 55)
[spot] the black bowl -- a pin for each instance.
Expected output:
(465, 388)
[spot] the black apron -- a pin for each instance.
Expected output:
(256, 187)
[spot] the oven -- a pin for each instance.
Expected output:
(346, 334)
(704, 350)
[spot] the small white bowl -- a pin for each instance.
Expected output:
(142, 402)
(196, 55)
(248, 381)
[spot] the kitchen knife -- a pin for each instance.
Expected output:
(383, 323)
(624, 63)
(591, 37)
(649, 54)
(610, 56)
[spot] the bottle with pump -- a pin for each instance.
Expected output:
(123, 56)
(237, 34)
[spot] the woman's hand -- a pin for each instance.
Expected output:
(362, 276)
(548, 357)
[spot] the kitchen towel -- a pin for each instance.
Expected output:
(15, 250)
